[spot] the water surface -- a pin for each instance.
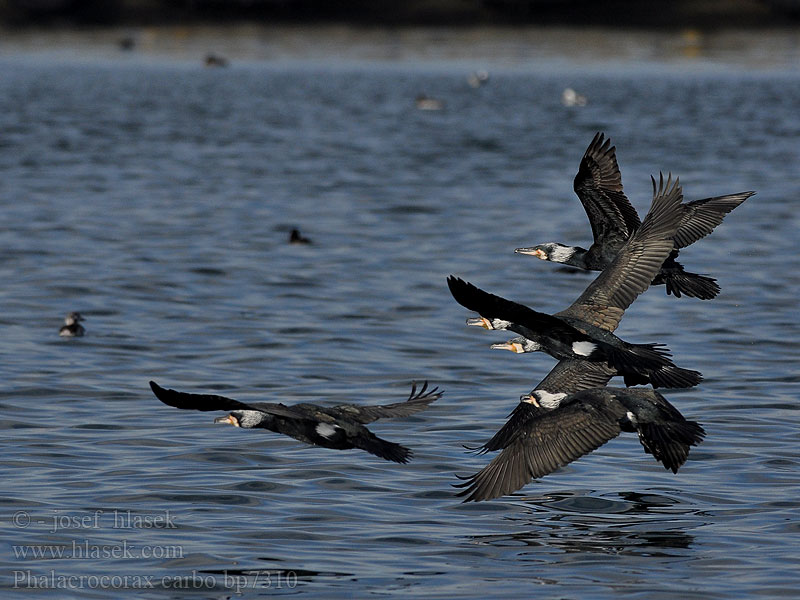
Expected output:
(156, 197)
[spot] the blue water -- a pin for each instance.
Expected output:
(156, 198)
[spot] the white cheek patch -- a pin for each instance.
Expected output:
(561, 254)
(325, 430)
(631, 417)
(583, 348)
(548, 400)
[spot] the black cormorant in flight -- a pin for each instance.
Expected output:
(583, 331)
(613, 219)
(338, 427)
(550, 430)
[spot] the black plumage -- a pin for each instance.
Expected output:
(295, 237)
(583, 331)
(568, 376)
(338, 427)
(613, 220)
(551, 430)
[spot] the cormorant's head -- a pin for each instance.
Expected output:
(544, 398)
(480, 322)
(520, 345)
(552, 251)
(488, 323)
(244, 418)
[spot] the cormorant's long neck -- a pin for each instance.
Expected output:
(574, 256)
(272, 423)
(255, 419)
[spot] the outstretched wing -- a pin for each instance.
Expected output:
(491, 306)
(553, 439)
(208, 402)
(523, 413)
(598, 185)
(568, 376)
(702, 216)
(417, 401)
(604, 301)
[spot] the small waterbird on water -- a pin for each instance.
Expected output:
(72, 326)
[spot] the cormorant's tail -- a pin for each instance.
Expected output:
(669, 443)
(691, 284)
(384, 449)
(650, 363)
(665, 377)
(639, 359)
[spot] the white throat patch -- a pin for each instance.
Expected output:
(548, 400)
(250, 418)
(561, 254)
(530, 345)
(500, 324)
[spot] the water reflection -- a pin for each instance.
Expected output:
(579, 522)
(596, 538)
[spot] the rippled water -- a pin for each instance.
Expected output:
(156, 198)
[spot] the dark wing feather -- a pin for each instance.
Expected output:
(494, 307)
(548, 442)
(598, 185)
(417, 401)
(208, 402)
(604, 301)
(366, 440)
(702, 216)
(570, 376)
(523, 413)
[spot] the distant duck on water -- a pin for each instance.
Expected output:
(570, 97)
(295, 237)
(214, 60)
(424, 102)
(340, 427)
(477, 78)
(72, 326)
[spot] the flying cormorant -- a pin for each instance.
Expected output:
(598, 185)
(583, 331)
(338, 427)
(550, 430)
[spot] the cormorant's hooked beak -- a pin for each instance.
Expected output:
(530, 399)
(512, 346)
(480, 322)
(229, 419)
(537, 252)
